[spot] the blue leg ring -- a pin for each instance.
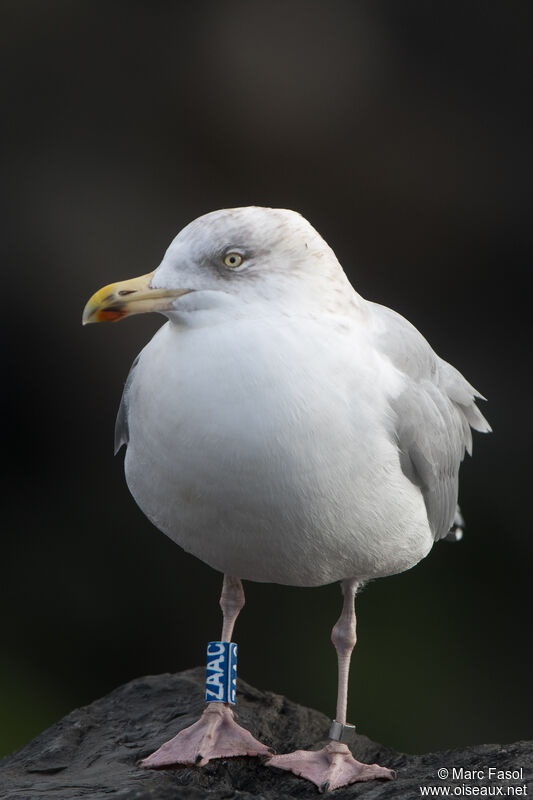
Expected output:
(221, 676)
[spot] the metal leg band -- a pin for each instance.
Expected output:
(221, 675)
(340, 732)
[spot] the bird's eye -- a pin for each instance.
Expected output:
(233, 260)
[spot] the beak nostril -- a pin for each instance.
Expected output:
(126, 291)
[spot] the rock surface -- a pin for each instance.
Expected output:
(93, 752)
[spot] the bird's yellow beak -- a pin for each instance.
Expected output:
(118, 300)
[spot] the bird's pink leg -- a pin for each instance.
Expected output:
(334, 765)
(215, 734)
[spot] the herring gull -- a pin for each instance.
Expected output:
(283, 429)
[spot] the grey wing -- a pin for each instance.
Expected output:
(432, 417)
(121, 425)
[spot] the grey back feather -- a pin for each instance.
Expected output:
(122, 435)
(432, 417)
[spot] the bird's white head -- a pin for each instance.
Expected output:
(248, 255)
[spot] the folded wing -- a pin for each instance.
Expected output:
(432, 416)
(122, 435)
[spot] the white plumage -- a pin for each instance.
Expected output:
(283, 429)
(270, 431)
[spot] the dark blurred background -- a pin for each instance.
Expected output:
(399, 129)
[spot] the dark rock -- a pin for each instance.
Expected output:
(93, 752)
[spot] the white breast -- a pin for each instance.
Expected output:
(260, 446)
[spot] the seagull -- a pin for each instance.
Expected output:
(283, 429)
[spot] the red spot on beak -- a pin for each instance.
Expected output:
(110, 314)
